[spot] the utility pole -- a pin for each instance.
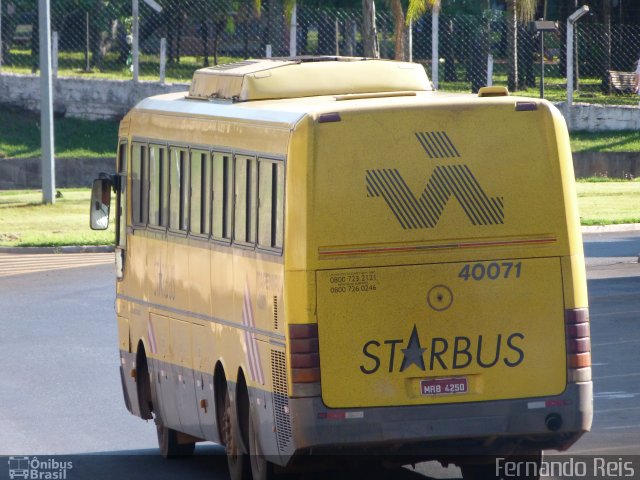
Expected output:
(46, 104)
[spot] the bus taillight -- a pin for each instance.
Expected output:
(578, 343)
(304, 353)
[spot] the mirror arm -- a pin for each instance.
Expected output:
(113, 178)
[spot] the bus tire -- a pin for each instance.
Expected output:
(143, 384)
(261, 468)
(169, 445)
(237, 460)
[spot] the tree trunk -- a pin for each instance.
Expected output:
(448, 53)
(399, 29)
(512, 46)
(204, 36)
(369, 32)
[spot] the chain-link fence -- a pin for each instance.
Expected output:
(95, 37)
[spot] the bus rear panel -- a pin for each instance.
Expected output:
(449, 289)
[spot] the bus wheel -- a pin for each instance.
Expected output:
(169, 445)
(237, 460)
(261, 468)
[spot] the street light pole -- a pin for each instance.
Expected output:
(575, 16)
(46, 104)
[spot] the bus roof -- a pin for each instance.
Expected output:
(305, 77)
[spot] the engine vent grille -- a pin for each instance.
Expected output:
(275, 312)
(280, 399)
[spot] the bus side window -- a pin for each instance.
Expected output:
(179, 190)
(271, 204)
(222, 200)
(200, 170)
(139, 184)
(245, 200)
(158, 185)
(121, 204)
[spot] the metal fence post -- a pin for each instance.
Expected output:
(1, 34)
(54, 54)
(435, 37)
(410, 41)
(293, 32)
(134, 43)
(46, 104)
(163, 58)
(489, 70)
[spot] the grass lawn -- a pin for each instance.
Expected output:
(25, 222)
(620, 141)
(20, 136)
(604, 203)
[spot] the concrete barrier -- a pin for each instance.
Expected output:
(610, 164)
(25, 173)
(599, 118)
(91, 99)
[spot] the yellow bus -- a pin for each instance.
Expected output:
(325, 256)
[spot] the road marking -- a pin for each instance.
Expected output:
(18, 264)
(607, 316)
(611, 410)
(613, 395)
(621, 342)
(621, 427)
(621, 375)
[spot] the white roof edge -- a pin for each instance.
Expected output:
(220, 109)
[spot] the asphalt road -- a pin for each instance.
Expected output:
(60, 389)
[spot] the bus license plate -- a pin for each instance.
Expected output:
(444, 386)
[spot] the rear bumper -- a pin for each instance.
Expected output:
(436, 431)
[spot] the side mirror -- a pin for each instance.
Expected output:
(100, 204)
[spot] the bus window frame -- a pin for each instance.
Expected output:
(253, 221)
(165, 187)
(140, 221)
(282, 162)
(124, 147)
(204, 202)
(227, 241)
(183, 233)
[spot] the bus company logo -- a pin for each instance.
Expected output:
(446, 182)
(437, 353)
(437, 144)
(35, 469)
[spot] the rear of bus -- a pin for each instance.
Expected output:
(436, 292)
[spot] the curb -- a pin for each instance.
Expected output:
(65, 249)
(623, 227)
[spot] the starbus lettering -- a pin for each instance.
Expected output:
(423, 353)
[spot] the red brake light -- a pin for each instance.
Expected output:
(578, 338)
(304, 353)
